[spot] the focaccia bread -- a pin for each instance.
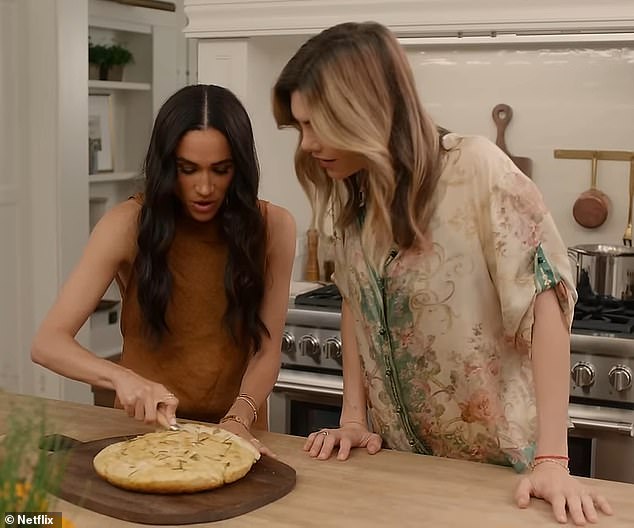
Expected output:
(196, 458)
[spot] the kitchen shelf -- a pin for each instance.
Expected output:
(113, 176)
(118, 85)
(106, 305)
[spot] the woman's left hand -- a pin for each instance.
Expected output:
(239, 429)
(552, 483)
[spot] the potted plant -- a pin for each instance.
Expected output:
(118, 58)
(27, 474)
(106, 62)
(97, 54)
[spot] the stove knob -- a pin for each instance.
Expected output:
(620, 378)
(582, 374)
(288, 344)
(333, 348)
(309, 345)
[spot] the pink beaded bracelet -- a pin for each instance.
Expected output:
(551, 460)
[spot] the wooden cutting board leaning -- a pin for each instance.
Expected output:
(502, 115)
(268, 480)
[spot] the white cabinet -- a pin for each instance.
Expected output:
(224, 62)
(120, 112)
(48, 200)
(128, 107)
(43, 188)
(15, 292)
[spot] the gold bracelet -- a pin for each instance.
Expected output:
(552, 461)
(235, 418)
(251, 402)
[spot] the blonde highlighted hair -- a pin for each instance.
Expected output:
(361, 94)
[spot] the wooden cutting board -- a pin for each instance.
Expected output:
(502, 115)
(268, 480)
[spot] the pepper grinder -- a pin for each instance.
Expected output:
(312, 261)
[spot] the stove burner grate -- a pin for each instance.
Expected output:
(604, 315)
(327, 296)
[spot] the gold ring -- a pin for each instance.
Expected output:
(325, 433)
(168, 396)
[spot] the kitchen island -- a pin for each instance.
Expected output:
(383, 490)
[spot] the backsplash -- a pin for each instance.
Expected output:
(562, 96)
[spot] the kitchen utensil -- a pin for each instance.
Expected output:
(268, 480)
(603, 155)
(502, 115)
(312, 259)
(627, 236)
(603, 270)
(591, 207)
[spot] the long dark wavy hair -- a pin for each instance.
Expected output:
(200, 107)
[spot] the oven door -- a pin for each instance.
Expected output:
(303, 402)
(601, 442)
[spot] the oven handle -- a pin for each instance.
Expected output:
(310, 389)
(620, 427)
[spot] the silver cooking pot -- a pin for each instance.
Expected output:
(603, 271)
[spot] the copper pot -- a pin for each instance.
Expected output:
(591, 208)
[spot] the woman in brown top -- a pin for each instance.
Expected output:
(203, 268)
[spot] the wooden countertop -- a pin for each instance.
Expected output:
(383, 490)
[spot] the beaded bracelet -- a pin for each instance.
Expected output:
(251, 402)
(235, 418)
(552, 457)
(552, 461)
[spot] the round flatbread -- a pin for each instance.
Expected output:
(196, 458)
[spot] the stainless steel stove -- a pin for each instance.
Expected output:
(601, 436)
(601, 369)
(309, 389)
(602, 353)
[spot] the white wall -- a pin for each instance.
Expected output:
(563, 96)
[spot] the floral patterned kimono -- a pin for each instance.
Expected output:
(444, 334)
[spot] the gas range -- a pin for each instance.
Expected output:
(601, 407)
(605, 316)
(312, 340)
(601, 369)
(601, 344)
(602, 352)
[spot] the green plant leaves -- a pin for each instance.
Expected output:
(109, 55)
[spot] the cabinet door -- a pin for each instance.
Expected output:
(15, 262)
(169, 74)
(224, 62)
(43, 184)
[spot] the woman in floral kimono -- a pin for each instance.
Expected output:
(458, 297)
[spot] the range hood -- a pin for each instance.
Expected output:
(412, 18)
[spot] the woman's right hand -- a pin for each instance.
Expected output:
(321, 444)
(145, 400)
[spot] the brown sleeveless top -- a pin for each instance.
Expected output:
(197, 360)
